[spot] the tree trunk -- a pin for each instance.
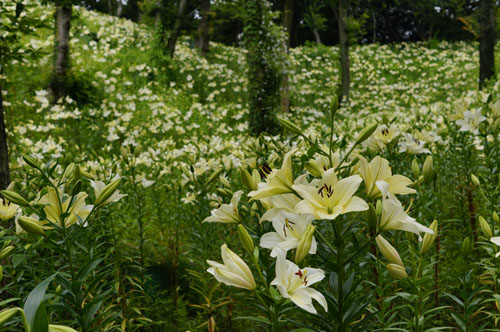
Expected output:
(344, 51)
(374, 37)
(487, 37)
(288, 25)
(172, 39)
(4, 152)
(119, 8)
(317, 38)
(203, 39)
(110, 7)
(63, 26)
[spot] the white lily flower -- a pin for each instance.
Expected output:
(395, 218)
(289, 229)
(293, 283)
(496, 240)
(379, 180)
(227, 213)
(412, 145)
(471, 121)
(331, 198)
(278, 181)
(234, 272)
(98, 188)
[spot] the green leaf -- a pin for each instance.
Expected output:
(84, 272)
(255, 319)
(32, 305)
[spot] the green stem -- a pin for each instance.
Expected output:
(275, 320)
(340, 274)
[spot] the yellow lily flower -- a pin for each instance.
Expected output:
(7, 210)
(331, 198)
(227, 213)
(278, 181)
(379, 180)
(54, 210)
(234, 272)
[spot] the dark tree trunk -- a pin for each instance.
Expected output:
(119, 8)
(374, 37)
(203, 40)
(110, 7)
(288, 25)
(4, 152)
(61, 65)
(172, 39)
(344, 51)
(487, 38)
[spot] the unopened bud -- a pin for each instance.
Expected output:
(246, 239)
(58, 289)
(224, 181)
(1, 273)
(14, 197)
(475, 180)
(211, 324)
(313, 168)
(365, 133)
(255, 209)
(215, 175)
(466, 246)
(485, 227)
(334, 105)
(7, 314)
(429, 238)
(379, 208)
(305, 243)
(247, 180)
(31, 161)
(124, 153)
(388, 251)
(428, 168)
(290, 126)
(397, 271)
(5, 253)
(495, 217)
(137, 150)
(31, 226)
(415, 168)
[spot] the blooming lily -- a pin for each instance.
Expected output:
(293, 283)
(377, 176)
(227, 213)
(55, 208)
(331, 198)
(7, 210)
(289, 230)
(278, 181)
(395, 218)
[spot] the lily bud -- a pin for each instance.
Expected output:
(485, 227)
(107, 192)
(31, 162)
(415, 168)
(313, 168)
(137, 150)
(234, 272)
(255, 209)
(5, 253)
(31, 226)
(428, 168)
(215, 175)
(388, 251)
(429, 238)
(14, 197)
(245, 239)
(1, 272)
(290, 126)
(304, 244)
(211, 324)
(475, 180)
(58, 289)
(365, 133)
(124, 153)
(466, 246)
(247, 180)
(397, 271)
(495, 217)
(224, 181)
(334, 105)
(7, 314)
(379, 208)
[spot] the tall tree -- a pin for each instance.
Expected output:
(172, 39)
(264, 76)
(61, 50)
(203, 39)
(288, 25)
(340, 11)
(487, 38)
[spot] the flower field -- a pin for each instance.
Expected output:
(141, 203)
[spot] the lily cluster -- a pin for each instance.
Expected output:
(296, 206)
